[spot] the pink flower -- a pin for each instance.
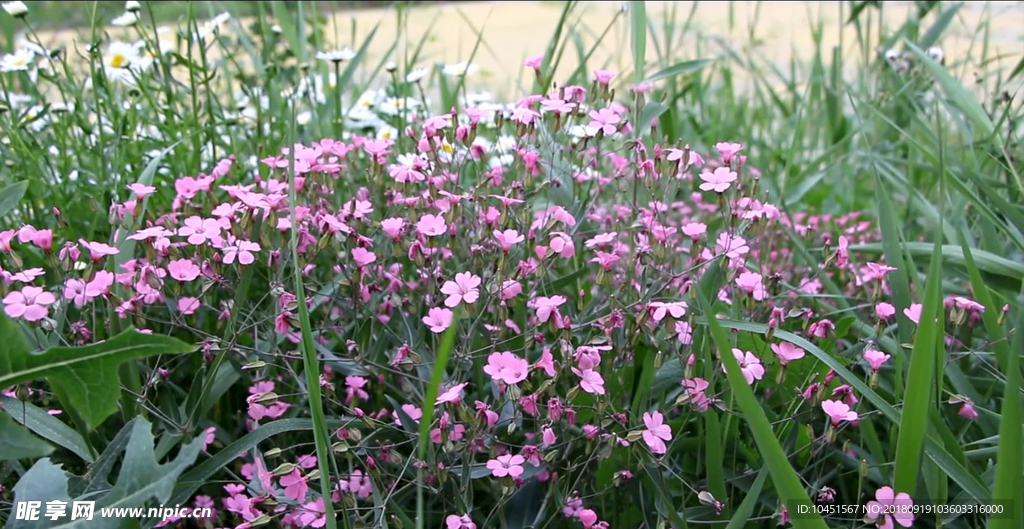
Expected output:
(749, 364)
(875, 359)
(141, 190)
(546, 306)
(562, 244)
(752, 283)
(44, 240)
(888, 508)
(838, 411)
(913, 313)
(363, 257)
(392, 227)
(548, 437)
(29, 303)
(183, 270)
(546, 362)
(660, 309)
(587, 517)
(240, 249)
(510, 288)
(884, 311)
(199, 230)
(604, 119)
(98, 250)
(294, 485)
(507, 465)
(787, 352)
(188, 305)
(684, 332)
(733, 247)
(694, 230)
(657, 432)
(452, 394)
(728, 150)
(590, 381)
(463, 289)
(506, 367)
(603, 77)
(359, 484)
(718, 181)
(438, 319)
(431, 225)
(454, 521)
(507, 238)
(534, 62)
(966, 411)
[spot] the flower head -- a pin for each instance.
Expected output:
(787, 352)
(656, 433)
(838, 411)
(507, 367)
(438, 319)
(463, 289)
(28, 303)
(888, 508)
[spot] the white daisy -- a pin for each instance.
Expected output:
(416, 75)
(338, 55)
(128, 18)
(20, 60)
(15, 9)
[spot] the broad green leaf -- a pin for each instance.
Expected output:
(920, 381)
(88, 374)
(140, 479)
(16, 442)
(11, 195)
(46, 426)
(784, 477)
(678, 69)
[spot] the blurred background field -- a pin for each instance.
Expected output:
(783, 35)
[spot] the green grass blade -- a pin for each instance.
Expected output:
(310, 363)
(1009, 481)
(940, 25)
(958, 95)
(682, 68)
(746, 507)
(784, 478)
(440, 366)
(920, 379)
(638, 14)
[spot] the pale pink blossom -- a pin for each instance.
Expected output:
(438, 319)
(507, 238)
(590, 381)
(656, 433)
(913, 312)
(838, 411)
(28, 303)
(750, 365)
(239, 249)
(889, 509)
(875, 358)
(507, 367)
(183, 270)
(463, 290)
(507, 465)
(718, 181)
(431, 225)
(787, 352)
(362, 257)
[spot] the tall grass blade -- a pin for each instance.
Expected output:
(920, 379)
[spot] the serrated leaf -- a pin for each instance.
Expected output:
(46, 426)
(88, 374)
(16, 442)
(11, 195)
(140, 479)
